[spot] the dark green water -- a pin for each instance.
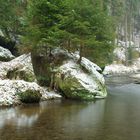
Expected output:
(115, 118)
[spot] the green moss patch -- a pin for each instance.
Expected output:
(30, 96)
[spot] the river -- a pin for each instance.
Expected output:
(115, 118)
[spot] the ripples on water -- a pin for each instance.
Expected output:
(115, 118)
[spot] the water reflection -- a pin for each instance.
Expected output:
(115, 118)
(121, 118)
(20, 116)
(50, 120)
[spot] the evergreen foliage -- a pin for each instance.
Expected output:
(89, 26)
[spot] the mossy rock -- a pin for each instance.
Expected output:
(30, 96)
(25, 75)
(72, 89)
(21, 74)
(5, 59)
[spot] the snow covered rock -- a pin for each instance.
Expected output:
(17, 76)
(5, 54)
(19, 68)
(61, 70)
(9, 90)
(80, 82)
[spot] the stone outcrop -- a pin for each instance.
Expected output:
(77, 81)
(81, 82)
(5, 54)
(19, 68)
(17, 76)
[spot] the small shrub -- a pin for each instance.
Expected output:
(30, 96)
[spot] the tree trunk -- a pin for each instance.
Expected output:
(126, 40)
(81, 51)
(69, 45)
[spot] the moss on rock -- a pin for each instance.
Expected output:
(30, 96)
(71, 88)
(76, 82)
(21, 74)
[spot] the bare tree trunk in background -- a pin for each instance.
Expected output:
(126, 40)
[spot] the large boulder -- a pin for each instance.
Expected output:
(76, 81)
(81, 82)
(5, 54)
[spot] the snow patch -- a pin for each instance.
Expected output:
(119, 52)
(5, 54)
(121, 69)
(10, 88)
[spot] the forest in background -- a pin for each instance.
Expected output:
(92, 27)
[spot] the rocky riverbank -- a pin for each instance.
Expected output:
(17, 76)
(120, 69)
(73, 80)
(121, 66)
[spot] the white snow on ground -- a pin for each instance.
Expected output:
(121, 69)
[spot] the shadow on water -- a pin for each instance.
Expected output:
(115, 118)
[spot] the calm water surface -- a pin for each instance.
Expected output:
(115, 118)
